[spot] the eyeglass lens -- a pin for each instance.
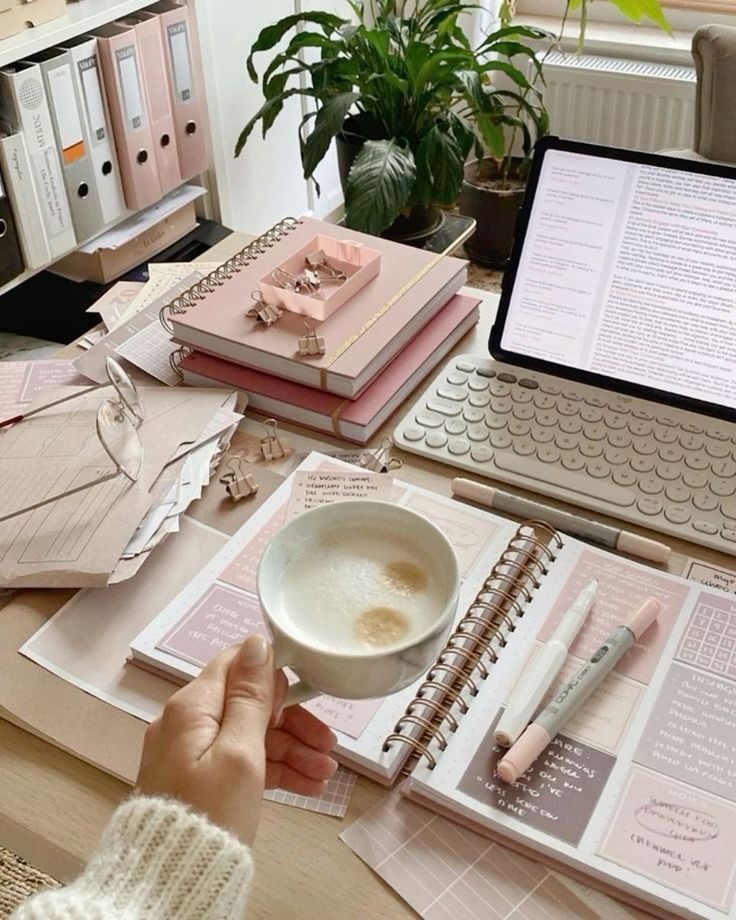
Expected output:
(118, 435)
(126, 389)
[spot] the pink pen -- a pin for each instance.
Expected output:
(571, 697)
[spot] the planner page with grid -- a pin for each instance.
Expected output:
(638, 791)
(219, 607)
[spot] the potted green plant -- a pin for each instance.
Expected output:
(407, 98)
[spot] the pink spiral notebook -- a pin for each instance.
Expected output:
(361, 337)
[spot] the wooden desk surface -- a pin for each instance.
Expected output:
(53, 807)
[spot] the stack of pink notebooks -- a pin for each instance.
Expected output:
(374, 349)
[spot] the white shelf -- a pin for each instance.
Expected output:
(80, 18)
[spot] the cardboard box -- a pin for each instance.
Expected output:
(16, 16)
(104, 265)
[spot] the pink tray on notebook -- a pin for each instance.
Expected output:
(357, 261)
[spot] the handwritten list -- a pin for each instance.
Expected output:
(312, 488)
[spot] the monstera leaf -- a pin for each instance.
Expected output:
(379, 185)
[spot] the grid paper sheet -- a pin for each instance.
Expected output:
(333, 801)
(446, 872)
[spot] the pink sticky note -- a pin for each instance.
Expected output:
(348, 716)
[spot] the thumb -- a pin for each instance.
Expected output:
(249, 692)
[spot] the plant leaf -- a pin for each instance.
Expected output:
(440, 162)
(636, 10)
(513, 72)
(379, 185)
(272, 35)
(266, 113)
(327, 124)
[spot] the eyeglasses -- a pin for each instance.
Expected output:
(117, 424)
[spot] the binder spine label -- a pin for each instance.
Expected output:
(130, 85)
(64, 100)
(181, 64)
(89, 74)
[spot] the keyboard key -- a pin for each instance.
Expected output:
(705, 527)
(453, 393)
(499, 405)
(620, 404)
(505, 377)
(620, 438)
(473, 415)
(500, 440)
(548, 419)
(543, 401)
(668, 471)
(671, 453)
(668, 420)
(524, 447)
(591, 449)
(695, 479)
(729, 535)
(477, 384)
(467, 367)
(717, 449)
(573, 461)
(640, 427)
(697, 461)
(567, 407)
(478, 433)
(665, 435)
(647, 447)
(547, 453)
(614, 420)
(591, 414)
(616, 456)
(650, 485)
(599, 469)
(458, 446)
(718, 434)
(541, 435)
(572, 395)
(691, 426)
(550, 388)
(485, 370)
(429, 420)
(413, 433)
(691, 441)
(436, 439)
(566, 441)
(528, 383)
(728, 508)
(523, 412)
(456, 426)
(724, 468)
(581, 484)
(570, 424)
(678, 514)
(624, 477)
(677, 493)
(456, 380)
(500, 389)
(518, 428)
(649, 505)
(595, 432)
(705, 501)
(481, 453)
(595, 401)
(448, 409)
(522, 397)
(642, 414)
(496, 422)
(642, 464)
(479, 400)
(722, 487)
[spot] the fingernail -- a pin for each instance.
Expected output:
(254, 652)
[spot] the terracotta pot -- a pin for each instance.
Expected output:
(495, 212)
(414, 227)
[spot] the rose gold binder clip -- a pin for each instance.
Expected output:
(266, 313)
(238, 483)
(327, 272)
(311, 343)
(274, 446)
(381, 461)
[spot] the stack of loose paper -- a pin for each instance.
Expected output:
(104, 532)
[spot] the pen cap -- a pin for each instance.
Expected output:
(640, 621)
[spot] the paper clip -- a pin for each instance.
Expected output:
(311, 343)
(266, 313)
(273, 446)
(380, 461)
(238, 483)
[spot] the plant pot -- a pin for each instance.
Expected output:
(495, 211)
(413, 227)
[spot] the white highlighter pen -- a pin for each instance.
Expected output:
(538, 675)
(572, 696)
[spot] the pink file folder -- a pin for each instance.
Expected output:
(120, 58)
(156, 82)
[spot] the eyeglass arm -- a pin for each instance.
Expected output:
(59, 496)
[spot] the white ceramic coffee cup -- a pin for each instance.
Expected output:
(358, 674)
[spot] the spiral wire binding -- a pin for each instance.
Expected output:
(475, 643)
(216, 278)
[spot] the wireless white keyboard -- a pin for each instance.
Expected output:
(660, 467)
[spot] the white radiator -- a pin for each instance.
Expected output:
(634, 104)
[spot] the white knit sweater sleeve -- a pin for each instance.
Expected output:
(156, 860)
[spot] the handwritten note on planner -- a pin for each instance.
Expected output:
(314, 487)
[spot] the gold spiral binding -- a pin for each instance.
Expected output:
(475, 643)
(216, 278)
